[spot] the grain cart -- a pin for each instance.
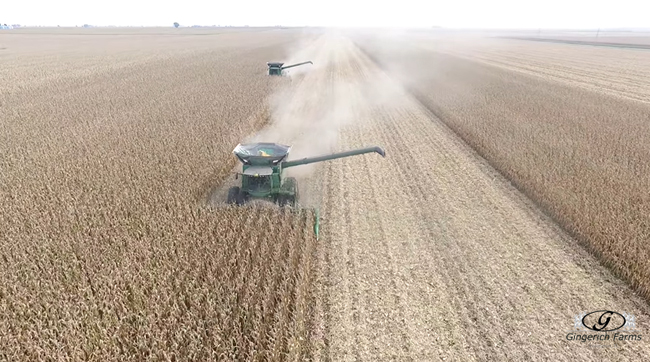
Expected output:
(262, 176)
(278, 68)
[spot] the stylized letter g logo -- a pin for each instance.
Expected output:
(602, 321)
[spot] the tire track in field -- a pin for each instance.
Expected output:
(430, 255)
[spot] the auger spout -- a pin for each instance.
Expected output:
(308, 160)
(295, 65)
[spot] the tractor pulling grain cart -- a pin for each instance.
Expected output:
(276, 68)
(262, 176)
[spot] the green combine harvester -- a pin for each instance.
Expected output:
(262, 173)
(276, 68)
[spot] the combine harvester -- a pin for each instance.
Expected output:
(278, 68)
(262, 174)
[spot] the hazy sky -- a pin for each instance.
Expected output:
(452, 13)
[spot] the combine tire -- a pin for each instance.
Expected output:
(235, 196)
(286, 200)
(289, 198)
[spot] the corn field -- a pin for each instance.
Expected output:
(512, 196)
(106, 251)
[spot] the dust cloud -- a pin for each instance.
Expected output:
(306, 49)
(310, 112)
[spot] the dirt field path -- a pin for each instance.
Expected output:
(429, 255)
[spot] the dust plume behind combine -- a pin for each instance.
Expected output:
(310, 114)
(305, 49)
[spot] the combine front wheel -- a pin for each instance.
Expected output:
(290, 193)
(235, 196)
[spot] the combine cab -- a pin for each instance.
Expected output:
(261, 174)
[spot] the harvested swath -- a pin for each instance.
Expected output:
(582, 155)
(429, 254)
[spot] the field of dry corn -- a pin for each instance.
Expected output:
(115, 149)
(108, 142)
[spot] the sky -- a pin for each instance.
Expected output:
(566, 14)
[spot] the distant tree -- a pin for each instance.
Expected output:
(176, 25)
